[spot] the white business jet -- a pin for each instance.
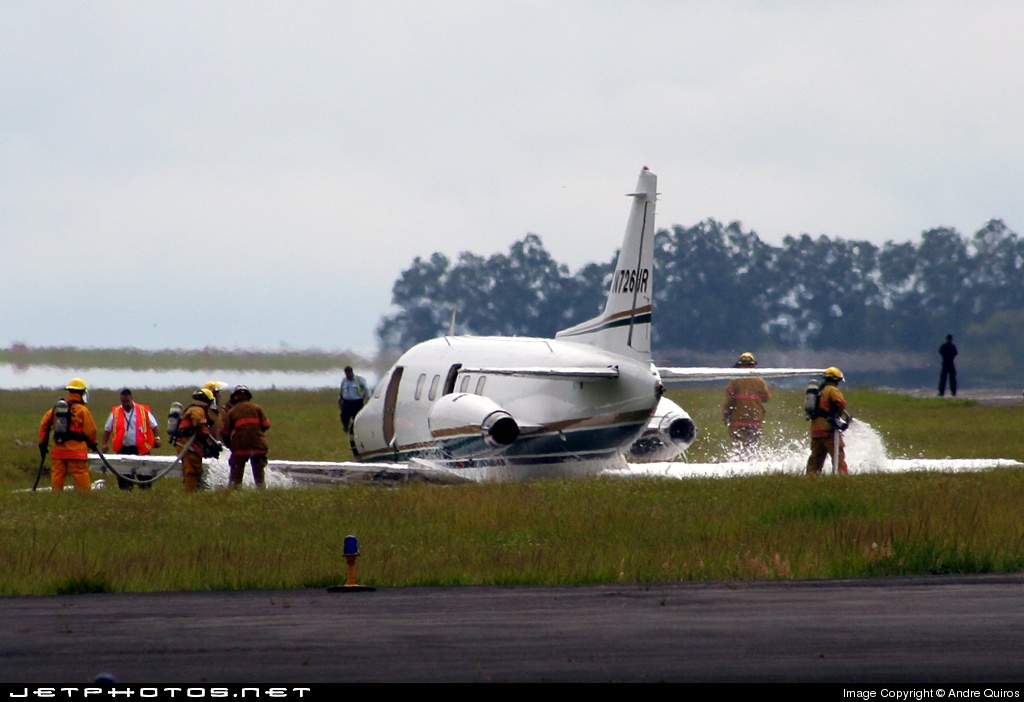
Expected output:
(585, 399)
(590, 394)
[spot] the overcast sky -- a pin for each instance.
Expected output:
(255, 174)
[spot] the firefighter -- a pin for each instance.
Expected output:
(135, 430)
(216, 412)
(194, 422)
(243, 434)
(829, 411)
(743, 411)
(74, 434)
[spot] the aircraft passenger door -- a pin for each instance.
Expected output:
(449, 383)
(390, 401)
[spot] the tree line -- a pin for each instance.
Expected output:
(720, 287)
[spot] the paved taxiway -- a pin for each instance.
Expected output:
(927, 629)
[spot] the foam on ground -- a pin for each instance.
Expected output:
(865, 453)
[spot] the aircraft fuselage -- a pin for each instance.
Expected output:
(449, 399)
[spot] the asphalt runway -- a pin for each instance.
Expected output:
(921, 630)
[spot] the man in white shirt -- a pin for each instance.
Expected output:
(351, 397)
(136, 432)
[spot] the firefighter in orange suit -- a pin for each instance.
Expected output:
(243, 434)
(74, 433)
(194, 422)
(831, 405)
(743, 411)
(135, 431)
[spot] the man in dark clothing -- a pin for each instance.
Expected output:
(948, 352)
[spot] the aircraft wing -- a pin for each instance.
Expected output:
(682, 375)
(577, 373)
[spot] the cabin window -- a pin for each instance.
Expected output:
(420, 382)
(480, 385)
(433, 387)
(464, 385)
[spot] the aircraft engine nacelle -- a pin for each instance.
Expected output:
(461, 421)
(669, 433)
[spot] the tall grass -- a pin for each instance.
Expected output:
(551, 531)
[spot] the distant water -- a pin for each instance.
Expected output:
(18, 378)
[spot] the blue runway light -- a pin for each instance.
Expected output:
(351, 553)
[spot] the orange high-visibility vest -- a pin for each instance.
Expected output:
(143, 432)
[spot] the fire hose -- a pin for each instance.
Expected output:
(152, 479)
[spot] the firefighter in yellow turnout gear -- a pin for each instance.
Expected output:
(194, 421)
(74, 433)
(216, 412)
(743, 411)
(830, 409)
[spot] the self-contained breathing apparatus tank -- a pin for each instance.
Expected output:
(174, 419)
(211, 447)
(811, 400)
(61, 421)
(839, 421)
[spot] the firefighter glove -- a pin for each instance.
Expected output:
(212, 448)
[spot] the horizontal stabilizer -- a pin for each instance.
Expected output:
(682, 375)
(578, 373)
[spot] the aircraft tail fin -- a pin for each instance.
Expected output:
(625, 325)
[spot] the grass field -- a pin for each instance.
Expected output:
(549, 531)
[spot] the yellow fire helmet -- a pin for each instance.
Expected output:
(204, 394)
(215, 385)
(833, 373)
(76, 384)
(746, 359)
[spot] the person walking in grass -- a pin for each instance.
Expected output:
(353, 394)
